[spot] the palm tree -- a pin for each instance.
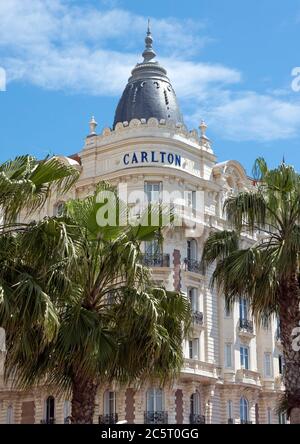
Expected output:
(266, 269)
(79, 309)
(25, 183)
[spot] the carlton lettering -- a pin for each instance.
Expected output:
(145, 157)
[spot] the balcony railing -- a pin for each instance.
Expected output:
(197, 317)
(111, 418)
(156, 418)
(246, 325)
(193, 266)
(48, 421)
(197, 419)
(230, 421)
(244, 421)
(156, 260)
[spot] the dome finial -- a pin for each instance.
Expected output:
(93, 125)
(149, 52)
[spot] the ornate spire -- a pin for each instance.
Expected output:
(149, 52)
(93, 125)
(203, 128)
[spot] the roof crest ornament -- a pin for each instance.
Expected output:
(149, 52)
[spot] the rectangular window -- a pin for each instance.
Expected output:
(244, 310)
(153, 191)
(194, 349)
(155, 400)
(229, 410)
(269, 415)
(190, 198)
(281, 364)
(194, 300)
(282, 418)
(227, 310)
(109, 402)
(244, 352)
(228, 355)
(268, 365)
(153, 247)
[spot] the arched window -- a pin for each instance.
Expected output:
(110, 415)
(155, 400)
(195, 404)
(67, 411)
(50, 410)
(244, 410)
(59, 209)
(155, 407)
(10, 415)
(230, 411)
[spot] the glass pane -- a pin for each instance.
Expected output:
(191, 349)
(150, 400)
(9, 415)
(50, 408)
(228, 362)
(159, 401)
(229, 409)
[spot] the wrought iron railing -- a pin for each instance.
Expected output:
(193, 266)
(197, 419)
(246, 325)
(198, 317)
(156, 260)
(48, 421)
(111, 418)
(156, 418)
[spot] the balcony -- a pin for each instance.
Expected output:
(197, 318)
(193, 266)
(197, 419)
(156, 260)
(246, 422)
(156, 418)
(111, 418)
(246, 326)
(230, 421)
(48, 421)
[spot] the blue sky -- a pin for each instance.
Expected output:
(230, 63)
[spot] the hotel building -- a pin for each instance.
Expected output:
(233, 368)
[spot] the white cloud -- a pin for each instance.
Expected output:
(249, 116)
(63, 45)
(58, 46)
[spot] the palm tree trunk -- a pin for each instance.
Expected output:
(83, 399)
(289, 315)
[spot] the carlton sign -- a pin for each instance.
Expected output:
(149, 157)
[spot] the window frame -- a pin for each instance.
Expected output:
(268, 365)
(243, 357)
(228, 347)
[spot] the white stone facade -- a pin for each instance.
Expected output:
(233, 367)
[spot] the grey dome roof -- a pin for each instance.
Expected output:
(148, 92)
